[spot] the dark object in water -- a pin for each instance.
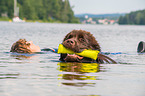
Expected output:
(141, 47)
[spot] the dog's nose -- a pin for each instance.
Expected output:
(70, 41)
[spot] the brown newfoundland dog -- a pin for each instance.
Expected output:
(78, 40)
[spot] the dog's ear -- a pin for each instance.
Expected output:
(66, 37)
(101, 58)
(93, 42)
(95, 45)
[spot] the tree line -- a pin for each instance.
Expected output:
(133, 18)
(47, 10)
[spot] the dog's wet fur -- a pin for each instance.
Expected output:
(77, 41)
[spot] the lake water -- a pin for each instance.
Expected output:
(45, 75)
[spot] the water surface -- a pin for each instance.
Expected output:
(45, 75)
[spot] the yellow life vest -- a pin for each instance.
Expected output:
(93, 54)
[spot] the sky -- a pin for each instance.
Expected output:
(106, 6)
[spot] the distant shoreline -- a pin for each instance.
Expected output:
(40, 21)
(34, 21)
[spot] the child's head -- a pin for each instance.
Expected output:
(22, 46)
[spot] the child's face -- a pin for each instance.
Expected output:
(32, 47)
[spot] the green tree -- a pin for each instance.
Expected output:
(51, 10)
(137, 17)
(6, 6)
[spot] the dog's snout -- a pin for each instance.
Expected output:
(70, 41)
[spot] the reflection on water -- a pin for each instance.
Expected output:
(80, 84)
(78, 67)
(77, 71)
(21, 57)
(9, 75)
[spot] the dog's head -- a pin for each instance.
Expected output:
(78, 40)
